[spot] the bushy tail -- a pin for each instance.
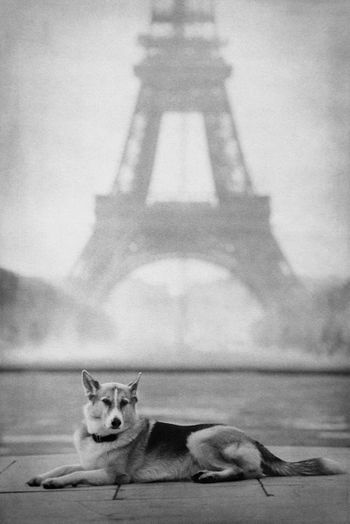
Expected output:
(273, 466)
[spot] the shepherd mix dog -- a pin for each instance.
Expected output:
(117, 446)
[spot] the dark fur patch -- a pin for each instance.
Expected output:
(171, 439)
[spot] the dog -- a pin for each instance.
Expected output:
(117, 446)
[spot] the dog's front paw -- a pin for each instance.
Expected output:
(52, 484)
(35, 481)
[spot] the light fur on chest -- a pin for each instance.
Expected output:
(101, 455)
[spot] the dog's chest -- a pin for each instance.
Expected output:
(103, 455)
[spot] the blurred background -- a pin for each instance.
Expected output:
(68, 95)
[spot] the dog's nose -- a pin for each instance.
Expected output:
(115, 423)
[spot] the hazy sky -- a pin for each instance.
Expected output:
(67, 93)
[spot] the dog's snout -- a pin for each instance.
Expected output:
(115, 423)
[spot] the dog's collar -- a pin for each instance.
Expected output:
(105, 438)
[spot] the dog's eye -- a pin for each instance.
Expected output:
(124, 402)
(106, 401)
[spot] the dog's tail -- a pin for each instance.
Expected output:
(273, 466)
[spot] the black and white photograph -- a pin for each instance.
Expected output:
(175, 261)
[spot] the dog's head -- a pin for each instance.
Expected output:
(111, 406)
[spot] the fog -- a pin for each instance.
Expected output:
(67, 94)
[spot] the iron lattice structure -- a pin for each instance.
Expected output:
(183, 71)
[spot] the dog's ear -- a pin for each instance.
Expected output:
(133, 386)
(90, 384)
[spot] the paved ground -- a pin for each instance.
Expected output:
(318, 500)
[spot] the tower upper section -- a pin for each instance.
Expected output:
(183, 19)
(182, 36)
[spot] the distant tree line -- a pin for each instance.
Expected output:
(320, 324)
(31, 310)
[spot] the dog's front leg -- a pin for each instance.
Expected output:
(96, 477)
(56, 472)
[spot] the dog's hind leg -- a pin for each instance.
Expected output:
(245, 457)
(56, 472)
(223, 454)
(225, 475)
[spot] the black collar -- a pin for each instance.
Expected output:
(105, 438)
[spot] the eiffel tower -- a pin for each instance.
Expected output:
(183, 72)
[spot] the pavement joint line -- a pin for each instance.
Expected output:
(116, 492)
(46, 491)
(264, 489)
(31, 492)
(8, 466)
